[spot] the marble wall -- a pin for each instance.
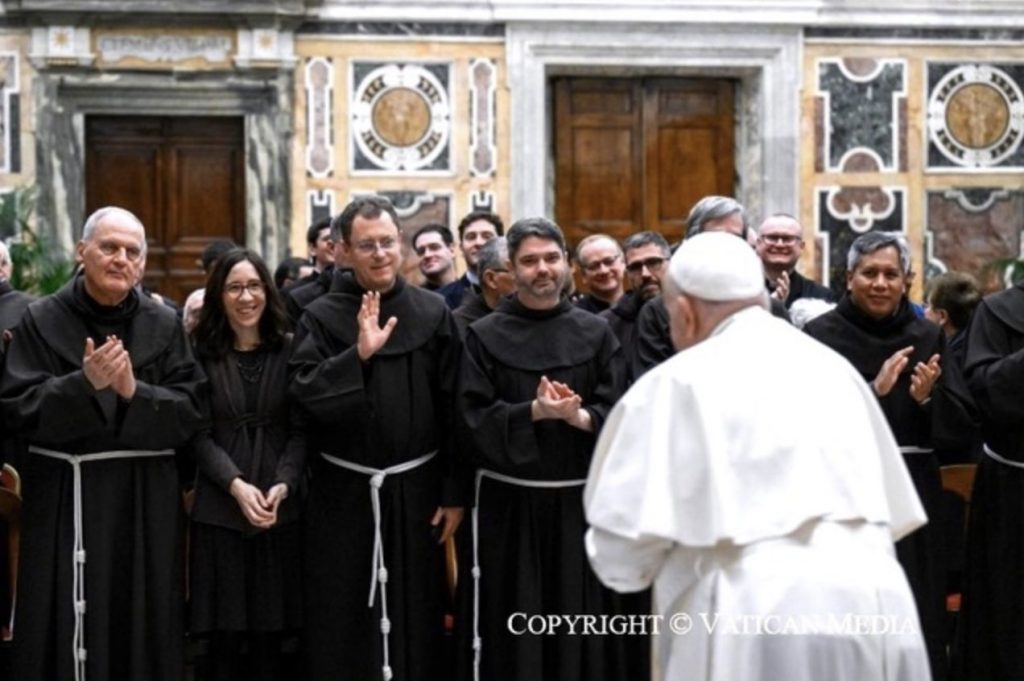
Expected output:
(417, 113)
(17, 129)
(923, 138)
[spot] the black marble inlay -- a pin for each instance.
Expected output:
(14, 125)
(842, 236)
(410, 29)
(911, 33)
(319, 207)
(861, 113)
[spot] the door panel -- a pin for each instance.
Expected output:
(636, 154)
(183, 177)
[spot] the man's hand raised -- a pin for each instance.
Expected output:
(372, 336)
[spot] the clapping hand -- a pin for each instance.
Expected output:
(890, 371)
(923, 380)
(109, 366)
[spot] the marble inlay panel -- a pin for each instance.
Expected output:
(483, 153)
(843, 214)
(863, 120)
(320, 204)
(975, 116)
(319, 73)
(483, 200)
(969, 229)
(400, 118)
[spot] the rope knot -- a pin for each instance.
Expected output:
(476, 572)
(477, 643)
(377, 480)
(388, 674)
(382, 575)
(80, 607)
(80, 556)
(385, 625)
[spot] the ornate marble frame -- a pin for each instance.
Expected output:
(766, 61)
(63, 97)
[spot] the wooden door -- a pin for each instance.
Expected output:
(635, 154)
(183, 177)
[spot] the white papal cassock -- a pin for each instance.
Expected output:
(754, 481)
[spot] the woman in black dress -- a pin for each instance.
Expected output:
(246, 543)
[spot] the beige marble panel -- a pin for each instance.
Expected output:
(461, 184)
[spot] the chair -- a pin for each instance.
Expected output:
(959, 479)
(10, 511)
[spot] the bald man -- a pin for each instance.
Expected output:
(779, 243)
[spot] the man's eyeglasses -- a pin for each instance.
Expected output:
(235, 289)
(603, 262)
(780, 239)
(652, 264)
(369, 247)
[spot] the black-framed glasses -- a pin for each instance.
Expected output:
(652, 264)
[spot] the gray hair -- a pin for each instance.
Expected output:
(542, 228)
(641, 239)
(867, 244)
(5, 254)
(93, 221)
(593, 239)
(713, 208)
(493, 255)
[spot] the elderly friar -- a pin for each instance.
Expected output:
(101, 382)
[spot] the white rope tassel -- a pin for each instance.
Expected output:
(475, 521)
(378, 569)
(78, 600)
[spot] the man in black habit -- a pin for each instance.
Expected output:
(539, 376)
(384, 494)
(902, 356)
(990, 628)
(102, 384)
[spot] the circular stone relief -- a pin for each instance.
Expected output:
(401, 117)
(976, 116)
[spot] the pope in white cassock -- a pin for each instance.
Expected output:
(767, 531)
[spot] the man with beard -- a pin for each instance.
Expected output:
(496, 282)
(902, 357)
(779, 243)
(600, 258)
(646, 255)
(379, 404)
(476, 229)
(434, 246)
(539, 376)
(101, 382)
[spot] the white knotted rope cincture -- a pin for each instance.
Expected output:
(378, 569)
(1001, 459)
(78, 555)
(520, 482)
